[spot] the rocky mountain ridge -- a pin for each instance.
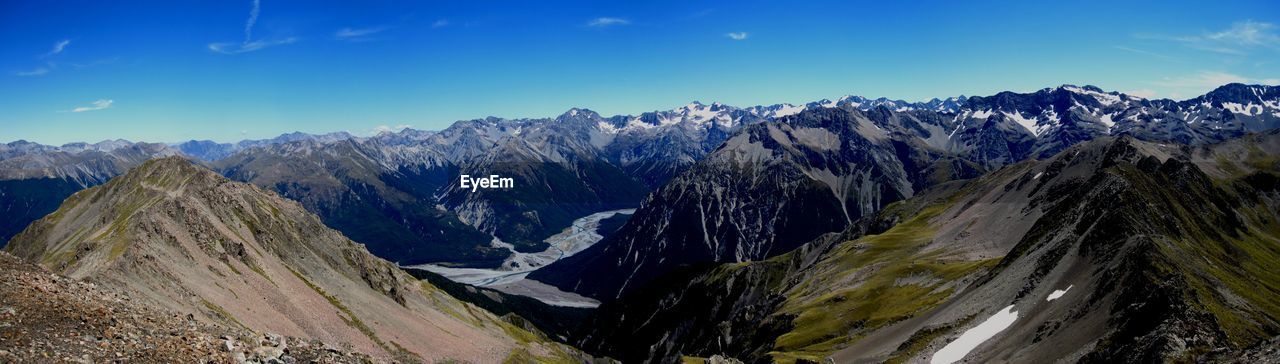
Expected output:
(229, 254)
(1112, 250)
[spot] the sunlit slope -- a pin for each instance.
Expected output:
(232, 254)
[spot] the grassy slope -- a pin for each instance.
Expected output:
(829, 313)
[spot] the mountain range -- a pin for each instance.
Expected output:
(639, 154)
(777, 185)
(1114, 250)
(1068, 223)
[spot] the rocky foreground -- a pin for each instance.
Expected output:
(45, 317)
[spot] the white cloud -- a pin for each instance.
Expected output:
(96, 105)
(1248, 32)
(737, 35)
(253, 19)
(358, 34)
(232, 48)
(49, 65)
(1203, 80)
(35, 72)
(440, 23)
(1240, 39)
(389, 129)
(602, 22)
(1143, 93)
(250, 45)
(57, 48)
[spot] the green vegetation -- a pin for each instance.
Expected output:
(524, 338)
(1261, 160)
(221, 312)
(347, 316)
(233, 269)
(257, 269)
(1223, 242)
(920, 339)
(826, 319)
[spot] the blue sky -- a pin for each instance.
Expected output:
(227, 70)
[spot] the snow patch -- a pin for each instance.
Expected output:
(1104, 98)
(971, 338)
(1250, 109)
(1106, 120)
(787, 110)
(1058, 293)
(1029, 124)
(607, 128)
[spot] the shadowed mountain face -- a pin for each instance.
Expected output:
(400, 193)
(346, 184)
(1112, 250)
(187, 239)
(559, 175)
(764, 192)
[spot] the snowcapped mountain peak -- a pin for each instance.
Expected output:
(578, 113)
(690, 107)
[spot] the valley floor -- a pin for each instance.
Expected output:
(510, 277)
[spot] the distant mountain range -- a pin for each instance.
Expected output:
(396, 191)
(774, 186)
(208, 150)
(1069, 223)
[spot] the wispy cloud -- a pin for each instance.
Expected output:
(1198, 83)
(358, 34)
(39, 71)
(1241, 38)
(603, 22)
(233, 48)
(737, 35)
(57, 48)
(96, 105)
(49, 64)
(441, 23)
(253, 19)
(250, 45)
(1146, 52)
(1202, 79)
